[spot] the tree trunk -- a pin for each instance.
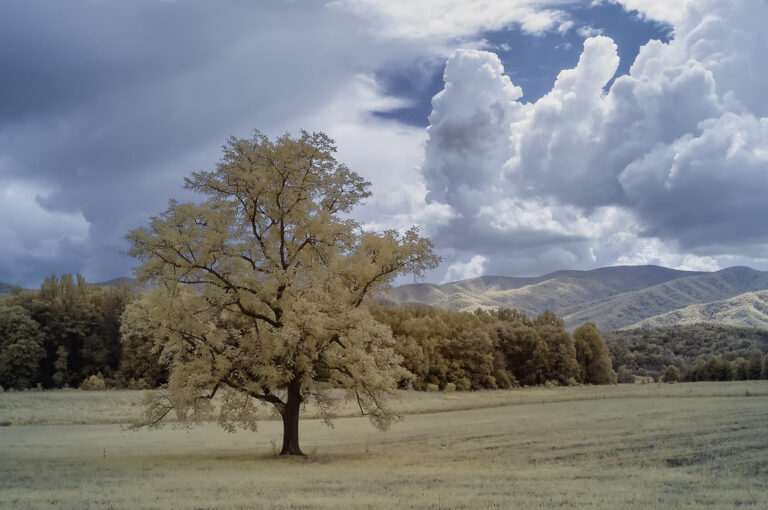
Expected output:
(290, 416)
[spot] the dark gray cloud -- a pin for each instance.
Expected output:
(708, 189)
(105, 106)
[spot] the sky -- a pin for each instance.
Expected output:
(521, 136)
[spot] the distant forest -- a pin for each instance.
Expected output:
(689, 348)
(67, 334)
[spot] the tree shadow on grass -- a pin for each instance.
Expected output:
(246, 456)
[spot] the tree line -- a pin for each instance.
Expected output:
(67, 334)
(490, 349)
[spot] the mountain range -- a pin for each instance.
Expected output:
(620, 297)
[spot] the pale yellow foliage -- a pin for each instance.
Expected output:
(257, 291)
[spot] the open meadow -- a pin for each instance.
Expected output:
(691, 445)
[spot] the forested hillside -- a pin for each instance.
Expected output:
(611, 297)
(749, 309)
(558, 292)
(629, 308)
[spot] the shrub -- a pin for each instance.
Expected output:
(139, 384)
(463, 384)
(624, 376)
(671, 374)
(94, 383)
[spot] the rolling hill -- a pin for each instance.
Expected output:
(612, 297)
(749, 309)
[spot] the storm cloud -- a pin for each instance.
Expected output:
(106, 106)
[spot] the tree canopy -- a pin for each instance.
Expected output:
(257, 290)
(490, 349)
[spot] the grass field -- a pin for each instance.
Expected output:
(696, 445)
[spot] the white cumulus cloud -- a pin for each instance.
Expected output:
(453, 18)
(464, 270)
(669, 11)
(669, 165)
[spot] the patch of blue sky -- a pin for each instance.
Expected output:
(417, 82)
(531, 61)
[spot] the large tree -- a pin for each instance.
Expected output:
(258, 290)
(592, 355)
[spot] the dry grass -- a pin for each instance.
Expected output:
(642, 446)
(74, 407)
